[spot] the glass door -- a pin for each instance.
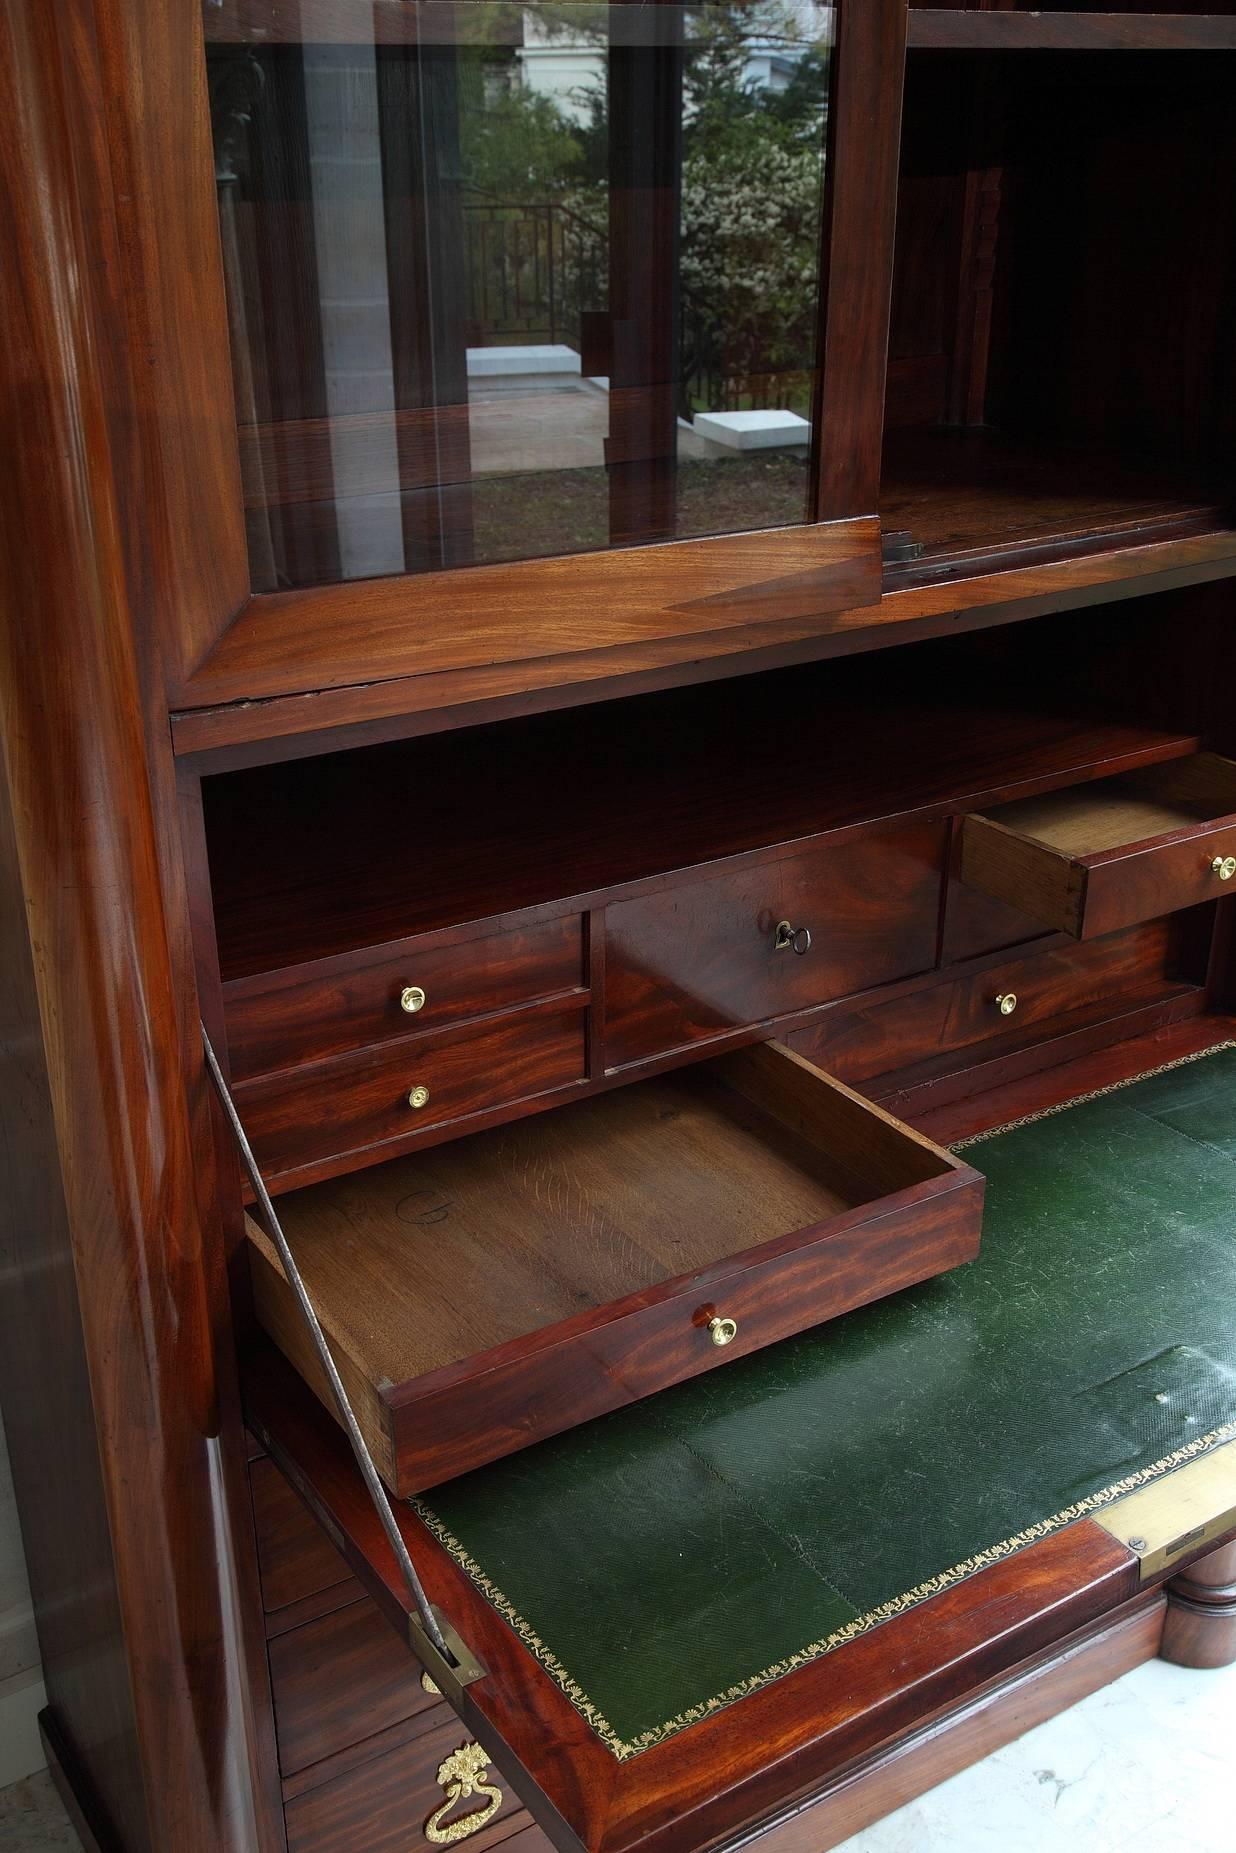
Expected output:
(512, 281)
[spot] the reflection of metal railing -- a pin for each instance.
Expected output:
(532, 269)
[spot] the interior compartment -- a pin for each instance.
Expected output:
(1107, 855)
(1061, 371)
(314, 859)
(507, 1286)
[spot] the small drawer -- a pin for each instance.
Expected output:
(339, 1680)
(1011, 999)
(306, 1014)
(296, 1559)
(384, 1804)
(1097, 857)
(308, 1117)
(702, 958)
(490, 1292)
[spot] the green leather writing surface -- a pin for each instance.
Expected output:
(667, 1559)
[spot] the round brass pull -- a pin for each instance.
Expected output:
(412, 999)
(792, 939)
(419, 1097)
(723, 1331)
(1006, 1003)
(1224, 867)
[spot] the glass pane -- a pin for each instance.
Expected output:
(511, 280)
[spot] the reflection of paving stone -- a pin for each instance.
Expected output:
(547, 357)
(32, 1819)
(754, 430)
(520, 425)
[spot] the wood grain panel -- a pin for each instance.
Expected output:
(278, 1020)
(962, 29)
(309, 1115)
(700, 958)
(123, 1302)
(382, 1805)
(296, 1559)
(861, 1043)
(374, 697)
(339, 1680)
(192, 573)
(432, 623)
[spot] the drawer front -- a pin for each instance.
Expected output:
(860, 1044)
(339, 1680)
(384, 1804)
(273, 1026)
(305, 1118)
(296, 1559)
(697, 960)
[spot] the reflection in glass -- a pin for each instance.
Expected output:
(511, 280)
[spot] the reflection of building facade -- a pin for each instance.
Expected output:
(569, 67)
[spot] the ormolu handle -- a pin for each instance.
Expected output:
(412, 999)
(462, 1776)
(1224, 867)
(418, 1097)
(1006, 1003)
(723, 1331)
(792, 939)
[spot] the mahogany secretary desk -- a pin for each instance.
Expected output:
(630, 608)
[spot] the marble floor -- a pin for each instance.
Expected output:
(1145, 1765)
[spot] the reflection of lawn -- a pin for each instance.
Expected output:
(567, 511)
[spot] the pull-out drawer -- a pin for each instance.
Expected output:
(317, 1115)
(504, 1287)
(704, 957)
(1014, 999)
(1093, 858)
(304, 1014)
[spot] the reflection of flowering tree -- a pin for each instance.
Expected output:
(750, 200)
(749, 261)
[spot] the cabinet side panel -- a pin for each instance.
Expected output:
(45, 1392)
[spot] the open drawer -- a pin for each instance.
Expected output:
(1097, 857)
(503, 1288)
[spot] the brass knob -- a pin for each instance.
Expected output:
(1006, 1003)
(792, 939)
(723, 1331)
(411, 999)
(419, 1097)
(1224, 867)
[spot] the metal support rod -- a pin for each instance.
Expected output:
(364, 1460)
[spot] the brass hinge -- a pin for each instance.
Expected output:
(1177, 1515)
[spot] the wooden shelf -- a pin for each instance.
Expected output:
(313, 858)
(959, 29)
(969, 496)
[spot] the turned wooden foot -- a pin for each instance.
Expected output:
(1200, 1627)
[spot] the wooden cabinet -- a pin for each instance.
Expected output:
(584, 583)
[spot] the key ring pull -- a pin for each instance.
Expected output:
(792, 939)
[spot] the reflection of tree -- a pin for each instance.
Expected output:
(751, 186)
